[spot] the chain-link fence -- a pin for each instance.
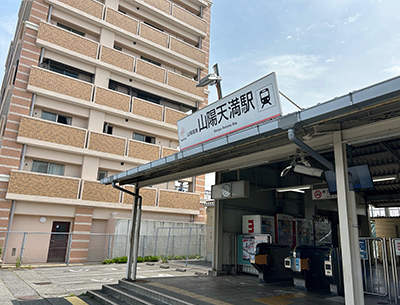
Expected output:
(189, 245)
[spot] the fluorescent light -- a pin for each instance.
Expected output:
(384, 178)
(297, 189)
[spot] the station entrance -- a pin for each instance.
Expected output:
(314, 173)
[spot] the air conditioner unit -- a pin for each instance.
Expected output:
(230, 190)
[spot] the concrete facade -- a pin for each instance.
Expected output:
(93, 88)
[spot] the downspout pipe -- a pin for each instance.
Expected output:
(134, 232)
(292, 137)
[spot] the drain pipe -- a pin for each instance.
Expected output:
(292, 137)
(134, 232)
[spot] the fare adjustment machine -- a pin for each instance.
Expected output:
(307, 267)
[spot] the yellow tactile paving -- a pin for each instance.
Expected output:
(280, 299)
(75, 301)
(190, 294)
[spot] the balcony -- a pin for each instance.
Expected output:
(184, 84)
(143, 151)
(90, 7)
(178, 200)
(47, 131)
(172, 116)
(34, 184)
(151, 71)
(166, 151)
(107, 143)
(153, 35)
(149, 196)
(187, 50)
(189, 18)
(51, 81)
(117, 58)
(112, 99)
(122, 21)
(67, 40)
(162, 5)
(94, 191)
(147, 109)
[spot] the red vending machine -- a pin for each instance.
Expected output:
(284, 229)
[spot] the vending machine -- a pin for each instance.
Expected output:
(284, 229)
(258, 224)
(304, 232)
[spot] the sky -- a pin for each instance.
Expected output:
(319, 49)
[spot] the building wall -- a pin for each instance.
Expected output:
(149, 49)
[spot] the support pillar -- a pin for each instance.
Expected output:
(353, 288)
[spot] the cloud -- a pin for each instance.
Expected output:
(352, 19)
(393, 70)
(295, 66)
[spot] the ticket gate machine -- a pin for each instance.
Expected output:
(334, 272)
(268, 259)
(307, 267)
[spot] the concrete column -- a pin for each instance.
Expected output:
(346, 199)
(218, 232)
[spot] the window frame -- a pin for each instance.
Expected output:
(48, 167)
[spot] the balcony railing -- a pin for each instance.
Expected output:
(94, 191)
(58, 83)
(44, 185)
(172, 116)
(34, 184)
(113, 99)
(147, 109)
(178, 200)
(117, 58)
(189, 18)
(166, 151)
(187, 50)
(42, 130)
(162, 5)
(122, 21)
(143, 151)
(107, 143)
(90, 7)
(151, 71)
(184, 84)
(153, 35)
(67, 40)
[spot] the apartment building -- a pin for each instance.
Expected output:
(93, 88)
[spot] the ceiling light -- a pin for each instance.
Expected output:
(384, 178)
(307, 170)
(297, 189)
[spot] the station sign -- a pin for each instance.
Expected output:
(363, 249)
(322, 194)
(253, 104)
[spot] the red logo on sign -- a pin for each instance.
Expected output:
(250, 225)
(317, 194)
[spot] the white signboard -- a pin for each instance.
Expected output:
(321, 194)
(397, 245)
(253, 104)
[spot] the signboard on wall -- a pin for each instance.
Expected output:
(253, 104)
(321, 194)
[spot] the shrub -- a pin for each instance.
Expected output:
(108, 261)
(140, 259)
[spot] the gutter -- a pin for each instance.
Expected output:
(134, 232)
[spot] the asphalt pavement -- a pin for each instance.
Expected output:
(60, 285)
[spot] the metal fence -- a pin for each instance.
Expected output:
(186, 245)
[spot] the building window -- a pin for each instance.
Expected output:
(112, 85)
(56, 118)
(48, 168)
(107, 128)
(101, 174)
(67, 70)
(144, 138)
(66, 27)
(150, 61)
(117, 48)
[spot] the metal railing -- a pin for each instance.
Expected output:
(43, 247)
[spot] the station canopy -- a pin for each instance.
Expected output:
(369, 120)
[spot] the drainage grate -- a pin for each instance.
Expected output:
(43, 283)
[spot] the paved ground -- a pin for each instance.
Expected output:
(63, 286)
(44, 285)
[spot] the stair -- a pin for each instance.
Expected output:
(126, 292)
